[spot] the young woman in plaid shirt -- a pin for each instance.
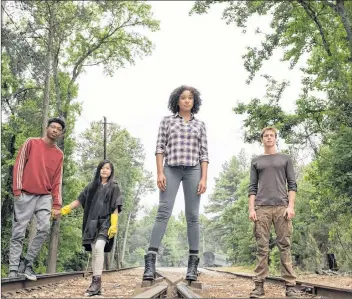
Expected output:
(182, 142)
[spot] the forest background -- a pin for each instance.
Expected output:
(47, 46)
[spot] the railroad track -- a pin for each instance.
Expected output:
(12, 284)
(167, 287)
(162, 287)
(321, 291)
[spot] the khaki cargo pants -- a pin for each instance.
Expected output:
(267, 215)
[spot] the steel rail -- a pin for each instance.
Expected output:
(12, 284)
(161, 290)
(157, 291)
(185, 292)
(308, 287)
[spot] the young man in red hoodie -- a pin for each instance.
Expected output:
(37, 184)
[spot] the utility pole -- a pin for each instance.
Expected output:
(106, 255)
(105, 137)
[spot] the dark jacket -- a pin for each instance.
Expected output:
(98, 205)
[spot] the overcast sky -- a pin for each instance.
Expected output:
(201, 51)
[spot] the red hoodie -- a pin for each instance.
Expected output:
(38, 170)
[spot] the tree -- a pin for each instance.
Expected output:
(21, 105)
(320, 28)
(144, 185)
(224, 196)
(98, 33)
(320, 31)
(76, 35)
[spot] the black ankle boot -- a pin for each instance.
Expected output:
(95, 286)
(192, 272)
(149, 271)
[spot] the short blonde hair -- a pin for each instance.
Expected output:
(268, 129)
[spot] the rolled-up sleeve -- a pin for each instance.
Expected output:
(117, 199)
(203, 149)
(290, 174)
(162, 139)
(253, 180)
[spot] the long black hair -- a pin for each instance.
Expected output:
(96, 182)
(175, 96)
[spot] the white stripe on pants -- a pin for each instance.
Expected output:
(98, 256)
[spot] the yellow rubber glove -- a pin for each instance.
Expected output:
(66, 210)
(113, 226)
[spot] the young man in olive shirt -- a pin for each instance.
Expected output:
(272, 192)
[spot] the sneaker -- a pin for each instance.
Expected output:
(29, 273)
(13, 274)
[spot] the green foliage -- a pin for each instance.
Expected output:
(321, 32)
(225, 194)
(73, 35)
(239, 238)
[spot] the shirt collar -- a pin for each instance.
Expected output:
(178, 115)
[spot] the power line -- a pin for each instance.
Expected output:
(87, 121)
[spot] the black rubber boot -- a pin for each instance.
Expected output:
(258, 291)
(192, 272)
(95, 286)
(149, 271)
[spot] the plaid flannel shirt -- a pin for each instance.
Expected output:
(182, 143)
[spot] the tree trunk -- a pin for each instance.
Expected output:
(346, 22)
(115, 254)
(53, 246)
(55, 231)
(56, 81)
(46, 99)
(3, 5)
(118, 256)
(339, 8)
(128, 225)
(55, 228)
(125, 238)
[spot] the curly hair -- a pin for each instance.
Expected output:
(175, 96)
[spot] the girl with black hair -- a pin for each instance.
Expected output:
(101, 201)
(182, 141)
